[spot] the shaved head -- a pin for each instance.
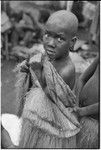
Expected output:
(63, 20)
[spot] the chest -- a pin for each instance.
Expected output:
(66, 71)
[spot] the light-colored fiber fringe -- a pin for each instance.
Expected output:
(88, 135)
(22, 86)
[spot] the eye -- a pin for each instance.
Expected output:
(46, 35)
(60, 39)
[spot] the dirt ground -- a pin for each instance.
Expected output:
(8, 94)
(8, 103)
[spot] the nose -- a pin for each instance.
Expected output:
(51, 42)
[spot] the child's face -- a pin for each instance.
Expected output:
(56, 41)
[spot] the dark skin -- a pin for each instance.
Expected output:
(59, 37)
(88, 91)
(57, 49)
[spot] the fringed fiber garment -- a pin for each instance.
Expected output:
(48, 123)
(88, 137)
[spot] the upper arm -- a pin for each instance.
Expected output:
(69, 75)
(89, 71)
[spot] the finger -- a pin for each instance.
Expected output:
(70, 109)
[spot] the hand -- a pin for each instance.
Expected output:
(78, 110)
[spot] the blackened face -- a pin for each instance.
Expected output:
(56, 41)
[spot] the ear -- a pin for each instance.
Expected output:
(72, 43)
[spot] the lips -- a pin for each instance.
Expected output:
(50, 54)
(50, 50)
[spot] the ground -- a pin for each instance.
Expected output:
(8, 79)
(8, 103)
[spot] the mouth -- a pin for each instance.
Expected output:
(50, 50)
(51, 54)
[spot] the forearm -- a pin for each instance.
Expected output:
(78, 87)
(90, 110)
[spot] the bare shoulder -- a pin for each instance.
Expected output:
(69, 67)
(68, 73)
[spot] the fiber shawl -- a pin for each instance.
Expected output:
(46, 121)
